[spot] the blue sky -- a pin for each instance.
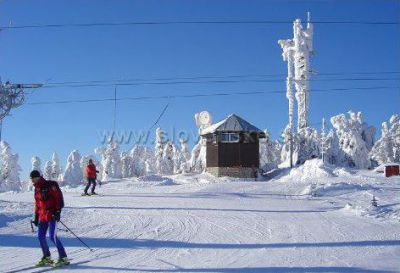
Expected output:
(49, 55)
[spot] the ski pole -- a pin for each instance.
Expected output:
(31, 222)
(76, 236)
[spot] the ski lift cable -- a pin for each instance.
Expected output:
(121, 84)
(375, 88)
(216, 22)
(215, 77)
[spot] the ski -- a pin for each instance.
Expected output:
(48, 269)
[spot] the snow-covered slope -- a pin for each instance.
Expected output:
(323, 222)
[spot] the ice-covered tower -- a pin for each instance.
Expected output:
(297, 53)
(303, 48)
(288, 52)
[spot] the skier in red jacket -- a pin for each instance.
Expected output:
(48, 204)
(91, 176)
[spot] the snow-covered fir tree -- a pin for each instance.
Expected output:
(285, 150)
(353, 149)
(159, 150)
(269, 153)
(197, 162)
(182, 157)
(9, 169)
(168, 160)
(73, 174)
(110, 161)
(331, 147)
(395, 135)
(387, 148)
(56, 170)
(138, 156)
(308, 144)
(126, 165)
(382, 152)
(47, 172)
(36, 164)
(149, 161)
(368, 135)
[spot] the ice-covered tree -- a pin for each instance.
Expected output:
(140, 155)
(55, 167)
(9, 169)
(159, 150)
(331, 147)
(73, 172)
(197, 161)
(47, 172)
(395, 135)
(305, 145)
(36, 164)
(182, 157)
(110, 161)
(269, 153)
(149, 161)
(382, 152)
(126, 165)
(368, 135)
(168, 160)
(353, 149)
(308, 144)
(285, 150)
(387, 148)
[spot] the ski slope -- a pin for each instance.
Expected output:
(197, 223)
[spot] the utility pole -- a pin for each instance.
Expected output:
(323, 139)
(115, 109)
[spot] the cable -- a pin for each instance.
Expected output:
(211, 77)
(148, 23)
(105, 84)
(204, 95)
(159, 117)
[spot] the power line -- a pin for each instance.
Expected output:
(105, 84)
(159, 117)
(114, 81)
(234, 22)
(206, 95)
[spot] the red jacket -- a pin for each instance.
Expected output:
(48, 199)
(91, 171)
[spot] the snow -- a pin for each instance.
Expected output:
(313, 169)
(314, 218)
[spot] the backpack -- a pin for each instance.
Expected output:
(51, 184)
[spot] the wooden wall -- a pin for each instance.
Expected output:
(242, 154)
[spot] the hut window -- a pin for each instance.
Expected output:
(230, 137)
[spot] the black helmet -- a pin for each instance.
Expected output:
(34, 174)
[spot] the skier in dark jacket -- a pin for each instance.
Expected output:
(48, 204)
(91, 176)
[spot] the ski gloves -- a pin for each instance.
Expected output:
(36, 220)
(57, 215)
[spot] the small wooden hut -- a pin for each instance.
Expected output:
(233, 148)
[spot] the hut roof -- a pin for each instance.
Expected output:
(232, 123)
